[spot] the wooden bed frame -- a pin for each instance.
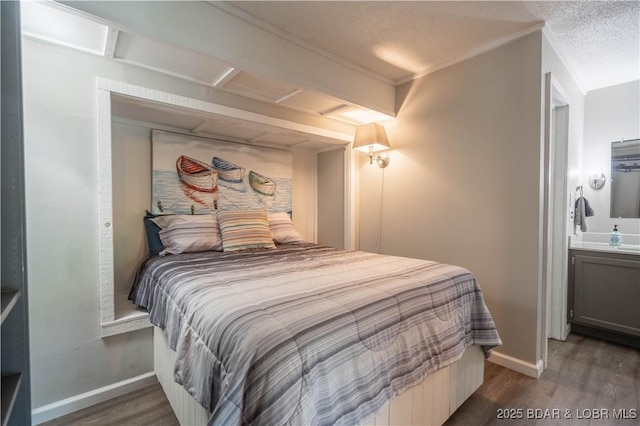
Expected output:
(430, 403)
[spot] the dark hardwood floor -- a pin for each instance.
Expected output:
(146, 406)
(585, 377)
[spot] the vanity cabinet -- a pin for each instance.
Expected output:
(604, 295)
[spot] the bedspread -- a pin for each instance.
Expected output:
(308, 334)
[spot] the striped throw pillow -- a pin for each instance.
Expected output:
(185, 233)
(244, 229)
(282, 228)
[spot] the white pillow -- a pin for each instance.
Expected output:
(282, 228)
(185, 233)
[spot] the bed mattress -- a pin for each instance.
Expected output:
(308, 334)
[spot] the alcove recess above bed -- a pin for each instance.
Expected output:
(127, 114)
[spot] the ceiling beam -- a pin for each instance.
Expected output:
(213, 31)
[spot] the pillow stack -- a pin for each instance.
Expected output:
(231, 230)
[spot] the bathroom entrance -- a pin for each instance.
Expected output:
(558, 214)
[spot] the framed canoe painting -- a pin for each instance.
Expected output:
(195, 175)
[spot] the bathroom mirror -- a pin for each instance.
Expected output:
(625, 179)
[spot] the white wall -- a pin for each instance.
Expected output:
(463, 182)
(68, 356)
(611, 114)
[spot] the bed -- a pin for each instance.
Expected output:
(308, 334)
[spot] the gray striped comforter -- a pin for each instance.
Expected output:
(307, 334)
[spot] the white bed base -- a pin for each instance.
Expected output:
(429, 403)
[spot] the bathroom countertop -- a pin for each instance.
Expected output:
(604, 247)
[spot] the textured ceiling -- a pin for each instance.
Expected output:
(398, 40)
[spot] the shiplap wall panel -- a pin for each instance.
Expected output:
(417, 398)
(467, 376)
(186, 409)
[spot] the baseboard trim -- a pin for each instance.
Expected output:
(516, 364)
(87, 399)
(567, 330)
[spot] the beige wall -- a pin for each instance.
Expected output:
(463, 183)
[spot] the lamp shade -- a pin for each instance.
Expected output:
(370, 138)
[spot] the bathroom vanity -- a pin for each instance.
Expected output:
(604, 288)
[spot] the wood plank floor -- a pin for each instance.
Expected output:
(146, 406)
(583, 375)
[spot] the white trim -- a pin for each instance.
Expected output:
(556, 212)
(112, 42)
(350, 192)
(125, 324)
(226, 77)
(567, 330)
(472, 53)
(196, 104)
(516, 364)
(88, 399)
(105, 208)
(544, 274)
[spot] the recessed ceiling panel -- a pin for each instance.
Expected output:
(229, 130)
(312, 102)
(166, 58)
(209, 124)
(314, 145)
(251, 86)
(287, 139)
(159, 116)
(44, 22)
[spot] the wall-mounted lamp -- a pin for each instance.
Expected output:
(597, 179)
(371, 138)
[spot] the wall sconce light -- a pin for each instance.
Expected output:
(597, 179)
(371, 138)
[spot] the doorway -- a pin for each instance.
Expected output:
(557, 213)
